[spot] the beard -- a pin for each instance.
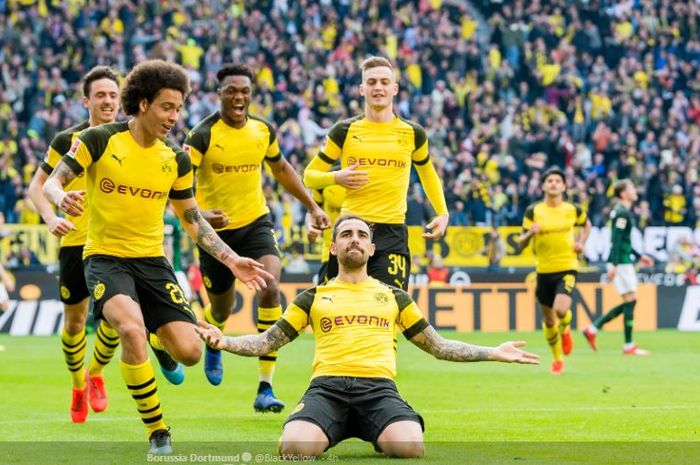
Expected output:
(352, 261)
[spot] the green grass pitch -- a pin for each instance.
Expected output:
(605, 409)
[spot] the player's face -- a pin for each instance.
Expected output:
(379, 86)
(554, 185)
(631, 192)
(103, 101)
(235, 93)
(353, 244)
(160, 116)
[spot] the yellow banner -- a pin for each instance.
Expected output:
(467, 246)
(483, 307)
(25, 239)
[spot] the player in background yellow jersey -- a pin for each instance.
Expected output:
(132, 170)
(552, 225)
(376, 151)
(101, 98)
(355, 319)
(228, 149)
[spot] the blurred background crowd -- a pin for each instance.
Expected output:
(605, 89)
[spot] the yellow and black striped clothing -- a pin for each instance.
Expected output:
(60, 145)
(229, 164)
(331, 200)
(128, 187)
(385, 151)
(355, 326)
(553, 245)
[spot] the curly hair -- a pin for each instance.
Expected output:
(149, 78)
(97, 73)
(234, 70)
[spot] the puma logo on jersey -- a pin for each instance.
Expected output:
(219, 146)
(330, 299)
(120, 160)
(357, 137)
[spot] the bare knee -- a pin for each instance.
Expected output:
(296, 450)
(187, 352)
(403, 439)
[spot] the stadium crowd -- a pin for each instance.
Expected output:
(605, 89)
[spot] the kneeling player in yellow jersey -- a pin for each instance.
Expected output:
(376, 151)
(228, 149)
(101, 98)
(550, 224)
(355, 319)
(132, 170)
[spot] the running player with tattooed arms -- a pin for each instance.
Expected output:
(132, 170)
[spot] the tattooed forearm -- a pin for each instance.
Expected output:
(256, 345)
(445, 349)
(59, 178)
(206, 237)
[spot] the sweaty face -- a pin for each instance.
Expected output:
(161, 115)
(554, 185)
(235, 92)
(379, 86)
(103, 101)
(353, 244)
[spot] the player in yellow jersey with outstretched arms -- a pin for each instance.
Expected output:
(376, 151)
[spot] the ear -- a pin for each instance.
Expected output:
(372, 249)
(143, 106)
(334, 249)
(395, 89)
(362, 90)
(85, 101)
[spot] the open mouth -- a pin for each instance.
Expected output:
(166, 128)
(238, 109)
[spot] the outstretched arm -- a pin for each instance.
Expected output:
(456, 351)
(286, 175)
(253, 345)
(248, 271)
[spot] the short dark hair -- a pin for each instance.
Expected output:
(375, 62)
(620, 186)
(149, 78)
(234, 70)
(344, 218)
(97, 73)
(553, 170)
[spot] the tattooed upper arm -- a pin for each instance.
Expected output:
(64, 173)
(192, 215)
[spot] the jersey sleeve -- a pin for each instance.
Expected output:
(529, 218)
(196, 145)
(581, 216)
(420, 155)
(182, 187)
(79, 156)
(273, 153)
(297, 315)
(410, 319)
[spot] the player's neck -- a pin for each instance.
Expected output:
(95, 122)
(626, 203)
(353, 276)
(380, 115)
(553, 201)
(139, 133)
(234, 124)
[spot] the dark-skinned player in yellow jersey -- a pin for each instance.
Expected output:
(355, 319)
(551, 224)
(376, 151)
(228, 149)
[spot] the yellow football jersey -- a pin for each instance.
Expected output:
(60, 145)
(553, 245)
(385, 151)
(128, 187)
(355, 326)
(229, 164)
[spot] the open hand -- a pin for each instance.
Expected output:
(210, 334)
(509, 352)
(350, 178)
(72, 203)
(250, 273)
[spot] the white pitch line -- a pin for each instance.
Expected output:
(564, 409)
